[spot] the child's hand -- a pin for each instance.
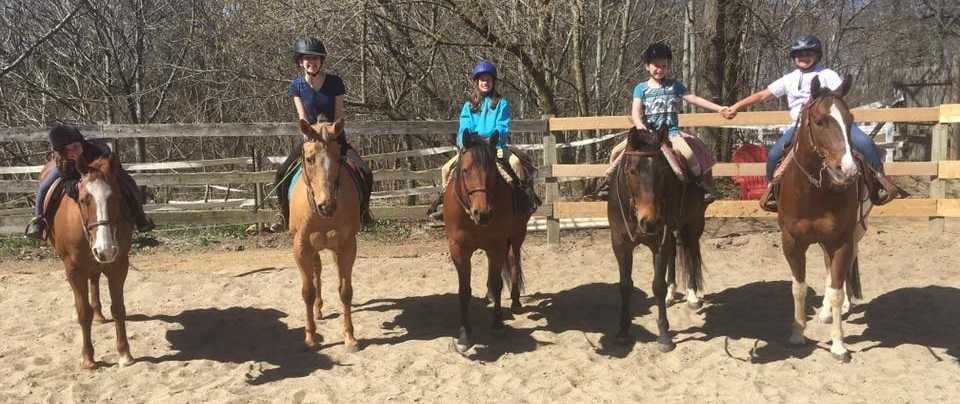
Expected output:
(728, 112)
(642, 127)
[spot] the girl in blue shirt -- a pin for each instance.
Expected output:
(486, 112)
(317, 96)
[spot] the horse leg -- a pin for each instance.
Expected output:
(516, 273)
(345, 258)
(80, 287)
(461, 260)
(671, 283)
(661, 259)
(623, 251)
(317, 282)
(795, 252)
(95, 300)
(496, 256)
(841, 263)
(116, 277)
(309, 263)
(689, 251)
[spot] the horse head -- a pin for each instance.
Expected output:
(477, 175)
(101, 205)
(824, 134)
(321, 164)
(644, 171)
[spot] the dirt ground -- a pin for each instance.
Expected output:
(223, 323)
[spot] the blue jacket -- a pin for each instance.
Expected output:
(486, 121)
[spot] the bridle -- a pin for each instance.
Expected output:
(463, 184)
(621, 168)
(89, 226)
(806, 120)
(307, 181)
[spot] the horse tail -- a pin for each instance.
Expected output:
(514, 281)
(853, 279)
(691, 261)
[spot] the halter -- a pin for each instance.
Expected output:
(310, 195)
(620, 202)
(469, 191)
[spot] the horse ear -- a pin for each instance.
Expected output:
(81, 165)
(845, 86)
(495, 137)
(114, 162)
(468, 137)
(338, 126)
(815, 85)
(307, 131)
(633, 139)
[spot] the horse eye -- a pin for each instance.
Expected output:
(310, 160)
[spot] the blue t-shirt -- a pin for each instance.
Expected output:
(318, 102)
(661, 105)
(486, 121)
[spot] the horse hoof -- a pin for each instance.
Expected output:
(670, 301)
(312, 346)
(843, 358)
(516, 306)
(665, 347)
(99, 319)
(623, 340)
(462, 347)
(697, 305)
(126, 360)
(88, 365)
(352, 348)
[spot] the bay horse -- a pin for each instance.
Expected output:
(649, 204)
(92, 237)
(820, 203)
(482, 211)
(324, 215)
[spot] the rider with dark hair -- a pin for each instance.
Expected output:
(70, 146)
(318, 97)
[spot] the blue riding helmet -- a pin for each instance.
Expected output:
(806, 43)
(484, 67)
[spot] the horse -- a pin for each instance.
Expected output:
(649, 204)
(828, 210)
(482, 211)
(93, 236)
(324, 215)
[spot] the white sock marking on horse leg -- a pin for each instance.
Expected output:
(799, 313)
(836, 333)
(671, 293)
(826, 313)
(692, 296)
(846, 163)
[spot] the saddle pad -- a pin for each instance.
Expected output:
(782, 165)
(675, 161)
(354, 175)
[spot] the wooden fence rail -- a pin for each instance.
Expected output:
(551, 214)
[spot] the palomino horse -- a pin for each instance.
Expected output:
(481, 211)
(324, 215)
(93, 237)
(650, 205)
(819, 203)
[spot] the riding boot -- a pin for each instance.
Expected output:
(769, 200)
(144, 223)
(280, 220)
(533, 201)
(35, 228)
(706, 183)
(884, 190)
(433, 212)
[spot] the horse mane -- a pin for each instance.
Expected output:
(643, 140)
(100, 168)
(483, 152)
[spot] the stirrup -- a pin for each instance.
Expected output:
(279, 223)
(769, 200)
(35, 228)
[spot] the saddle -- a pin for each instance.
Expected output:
(360, 181)
(880, 190)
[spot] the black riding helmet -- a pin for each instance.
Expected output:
(62, 135)
(308, 46)
(806, 43)
(657, 51)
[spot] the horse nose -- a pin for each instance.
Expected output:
(105, 254)
(481, 218)
(327, 209)
(646, 226)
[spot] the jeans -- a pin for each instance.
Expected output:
(44, 188)
(858, 140)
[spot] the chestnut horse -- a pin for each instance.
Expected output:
(820, 203)
(94, 236)
(648, 204)
(324, 215)
(482, 211)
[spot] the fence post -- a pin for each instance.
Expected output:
(257, 187)
(552, 193)
(938, 152)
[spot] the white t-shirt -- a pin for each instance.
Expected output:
(796, 86)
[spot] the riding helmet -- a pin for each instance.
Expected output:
(806, 43)
(62, 135)
(657, 51)
(484, 67)
(308, 46)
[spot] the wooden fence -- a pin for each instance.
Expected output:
(555, 213)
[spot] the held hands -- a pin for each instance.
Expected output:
(728, 112)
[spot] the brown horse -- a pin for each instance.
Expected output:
(648, 204)
(820, 203)
(324, 215)
(93, 237)
(481, 211)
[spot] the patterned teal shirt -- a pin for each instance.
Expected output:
(661, 105)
